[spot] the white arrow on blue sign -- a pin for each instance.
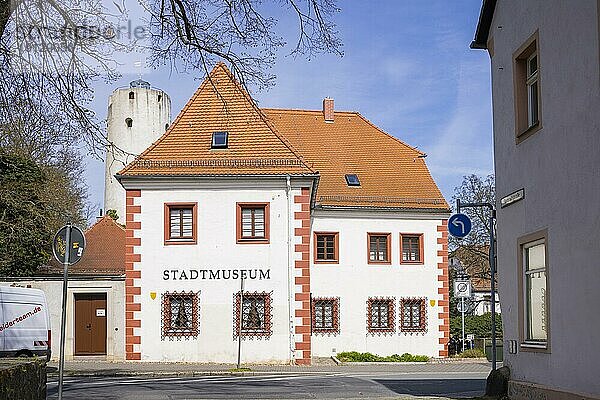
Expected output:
(459, 225)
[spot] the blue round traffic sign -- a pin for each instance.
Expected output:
(459, 225)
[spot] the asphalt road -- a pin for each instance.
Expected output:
(289, 386)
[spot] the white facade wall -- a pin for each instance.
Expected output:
(115, 311)
(353, 280)
(216, 249)
(150, 111)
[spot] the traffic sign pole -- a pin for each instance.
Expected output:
(462, 300)
(68, 239)
(492, 256)
(63, 319)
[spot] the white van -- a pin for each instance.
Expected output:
(24, 322)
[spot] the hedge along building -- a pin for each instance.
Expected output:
(338, 229)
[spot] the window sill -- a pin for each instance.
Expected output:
(412, 330)
(327, 261)
(379, 262)
(332, 331)
(381, 330)
(541, 347)
(528, 132)
(252, 241)
(180, 241)
(412, 263)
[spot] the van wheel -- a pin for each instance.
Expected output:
(24, 353)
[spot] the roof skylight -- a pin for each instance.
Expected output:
(219, 140)
(352, 180)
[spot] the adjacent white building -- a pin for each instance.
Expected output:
(546, 101)
(95, 323)
(337, 229)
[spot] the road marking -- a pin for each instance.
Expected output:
(189, 379)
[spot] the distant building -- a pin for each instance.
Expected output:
(477, 268)
(337, 227)
(95, 323)
(546, 105)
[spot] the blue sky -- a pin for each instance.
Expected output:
(407, 67)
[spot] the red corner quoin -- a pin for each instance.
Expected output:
(444, 287)
(132, 276)
(302, 279)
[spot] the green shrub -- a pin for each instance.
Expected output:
(471, 353)
(354, 356)
(479, 325)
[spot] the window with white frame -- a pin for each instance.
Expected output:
(252, 222)
(535, 296)
(532, 90)
(180, 223)
(528, 107)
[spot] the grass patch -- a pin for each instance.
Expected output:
(354, 356)
(471, 353)
(240, 370)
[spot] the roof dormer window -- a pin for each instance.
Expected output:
(219, 140)
(352, 180)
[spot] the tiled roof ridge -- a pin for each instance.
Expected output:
(169, 129)
(263, 117)
(107, 218)
(389, 135)
(238, 86)
(298, 110)
(356, 113)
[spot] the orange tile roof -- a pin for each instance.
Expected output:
(220, 104)
(104, 252)
(272, 141)
(391, 173)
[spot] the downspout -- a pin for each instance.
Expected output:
(290, 269)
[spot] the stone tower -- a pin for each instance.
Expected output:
(137, 116)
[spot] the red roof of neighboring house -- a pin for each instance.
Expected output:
(104, 252)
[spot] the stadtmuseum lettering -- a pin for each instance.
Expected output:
(215, 274)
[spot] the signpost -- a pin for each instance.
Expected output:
(241, 319)
(462, 289)
(68, 246)
(459, 225)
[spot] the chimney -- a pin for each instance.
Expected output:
(99, 217)
(328, 109)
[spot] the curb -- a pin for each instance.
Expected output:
(156, 374)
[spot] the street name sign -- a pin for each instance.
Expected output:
(512, 198)
(459, 225)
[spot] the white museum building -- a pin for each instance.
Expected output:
(335, 229)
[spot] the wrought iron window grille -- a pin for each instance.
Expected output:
(256, 315)
(326, 316)
(179, 315)
(381, 316)
(413, 315)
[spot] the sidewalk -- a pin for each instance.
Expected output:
(323, 366)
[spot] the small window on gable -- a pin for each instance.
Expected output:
(352, 180)
(219, 140)
(131, 95)
(129, 122)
